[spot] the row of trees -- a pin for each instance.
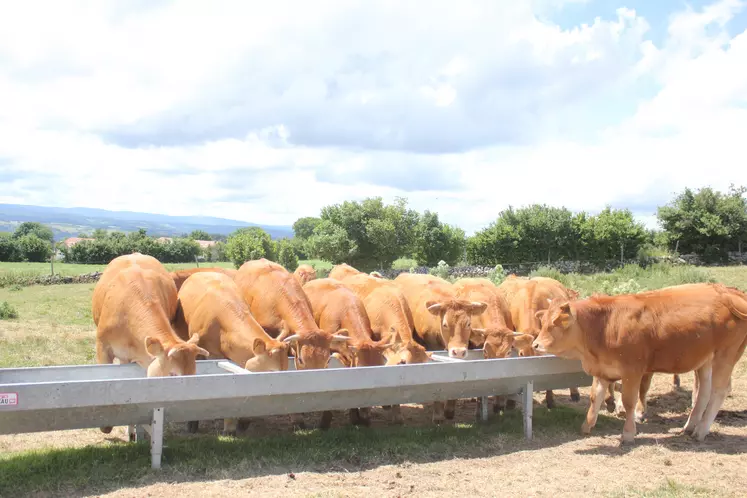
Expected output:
(371, 235)
(106, 246)
(31, 241)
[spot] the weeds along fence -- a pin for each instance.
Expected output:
(41, 399)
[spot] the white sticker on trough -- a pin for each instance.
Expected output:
(8, 399)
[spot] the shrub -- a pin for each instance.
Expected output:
(10, 249)
(7, 312)
(497, 275)
(287, 255)
(442, 270)
(34, 249)
(404, 264)
(247, 244)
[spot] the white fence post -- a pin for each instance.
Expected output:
(528, 401)
(156, 438)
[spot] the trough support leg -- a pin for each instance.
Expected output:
(156, 438)
(528, 402)
(136, 433)
(484, 408)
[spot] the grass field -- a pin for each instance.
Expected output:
(270, 459)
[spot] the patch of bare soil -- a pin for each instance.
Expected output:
(553, 464)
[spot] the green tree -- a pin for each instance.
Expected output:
(34, 248)
(435, 241)
(247, 244)
(100, 233)
(618, 233)
(287, 256)
(36, 228)
(377, 233)
(706, 222)
(331, 243)
(9, 248)
(303, 228)
(199, 235)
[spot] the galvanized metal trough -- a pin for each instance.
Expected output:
(86, 396)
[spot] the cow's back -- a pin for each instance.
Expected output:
(269, 290)
(339, 272)
(180, 276)
(110, 273)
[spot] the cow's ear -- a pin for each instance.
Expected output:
(259, 347)
(153, 347)
(563, 317)
(477, 336)
(434, 307)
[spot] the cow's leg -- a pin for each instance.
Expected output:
(297, 420)
(675, 381)
(701, 394)
(722, 369)
(450, 409)
(230, 426)
(598, 387)
(326, 420)
(640, 409)
(609, 401)
(360, 416)
(696, 384)
(575, 395)
(438, 412)
(510, 403)
(104, 356)
(397, 414)
(550, 399)
(500, 404)
(631, 387)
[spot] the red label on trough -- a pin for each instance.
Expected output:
(8, 399)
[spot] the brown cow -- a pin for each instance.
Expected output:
(133, 305)
(700, 327)
(338, 310)
(180, 276)
(525, 298)
(211, 307)
(442, 321)
(304, 273)
(493, 330)
(281, 307)
(391, 322)
(339, 272)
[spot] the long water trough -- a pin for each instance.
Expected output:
(41, 399)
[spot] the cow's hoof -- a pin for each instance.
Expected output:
(575, 396)
(193, 426)
(585, 429)
(106, 430)
(550, 403)
(611, 405)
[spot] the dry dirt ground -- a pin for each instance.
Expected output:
(555, 463)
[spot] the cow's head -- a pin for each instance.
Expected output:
(312, 348)
(269, 356)
(304, 274)
(499, 343)
(455, 317)
(558, 329)
(176, 360)
(406, 353)
(365, 353)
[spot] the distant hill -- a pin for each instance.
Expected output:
(69, 222)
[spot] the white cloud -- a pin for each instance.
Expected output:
(268, 111)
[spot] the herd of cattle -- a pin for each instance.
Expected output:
(259, 315)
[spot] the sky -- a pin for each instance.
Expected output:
(267, 111)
